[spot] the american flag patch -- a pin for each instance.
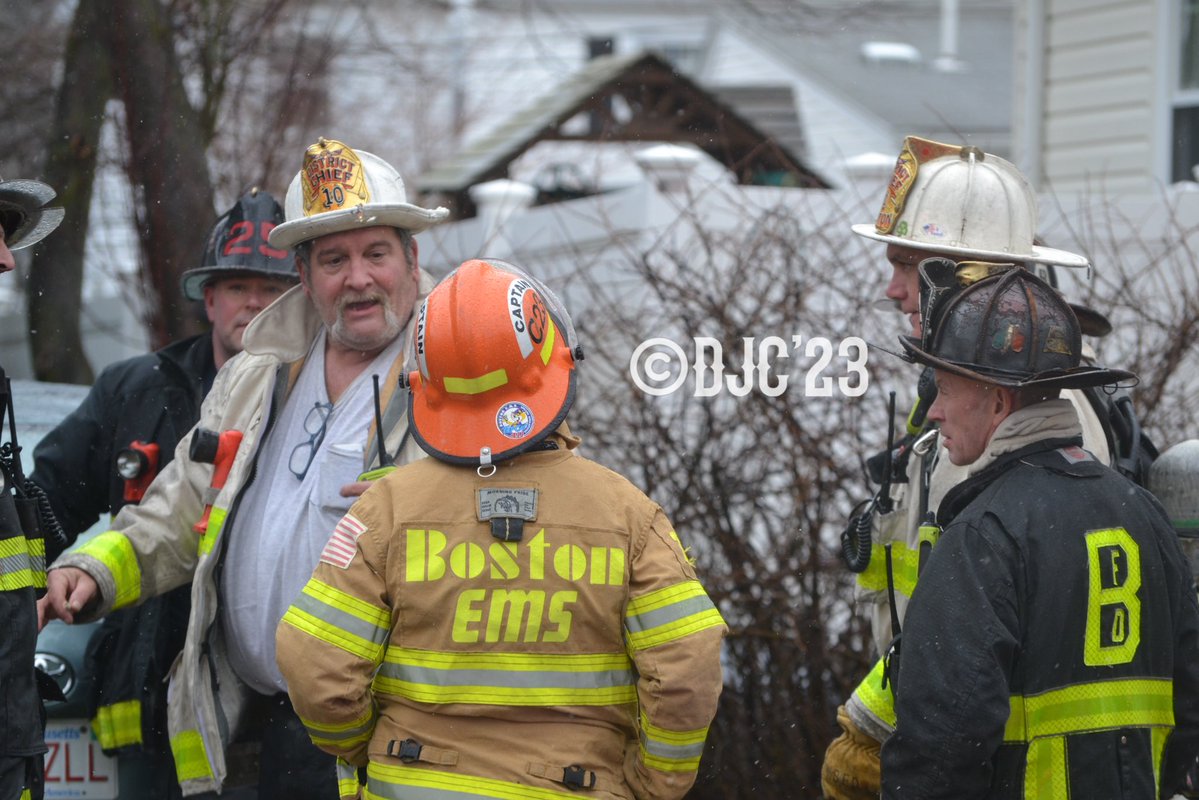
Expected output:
(343, 544)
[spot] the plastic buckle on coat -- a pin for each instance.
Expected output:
(408, 750)
(575, 777)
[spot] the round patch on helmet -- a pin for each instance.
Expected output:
(514, 420)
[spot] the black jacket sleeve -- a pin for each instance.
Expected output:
(72, 462)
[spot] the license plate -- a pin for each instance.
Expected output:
(76, 767)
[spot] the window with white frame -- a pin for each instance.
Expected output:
(1185, 124)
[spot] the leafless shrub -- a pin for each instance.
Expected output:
(758, 486)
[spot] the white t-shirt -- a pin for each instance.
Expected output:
(283, 521)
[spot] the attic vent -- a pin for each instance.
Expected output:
(890, 53)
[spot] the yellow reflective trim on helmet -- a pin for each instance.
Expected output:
(547, 347)
(905, 562)
(191, 757)
(420, 783)
(878, 701)
(483, 383)
(216, 522)
(114, 551)
(119, 724)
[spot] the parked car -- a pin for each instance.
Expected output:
(76, 767)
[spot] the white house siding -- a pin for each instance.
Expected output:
(1098, 95)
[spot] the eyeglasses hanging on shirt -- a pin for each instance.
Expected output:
(314, 425)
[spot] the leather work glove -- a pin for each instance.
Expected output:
(851, 769)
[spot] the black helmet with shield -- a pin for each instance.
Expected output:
(239, 243)
(1008, 329)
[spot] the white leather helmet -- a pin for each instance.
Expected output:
(961, 202)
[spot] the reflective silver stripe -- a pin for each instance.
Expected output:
(509, 679)
(668, 614)
(341, 619)
(680, 752)
(395, 791)
(330, 736)
(10, 565)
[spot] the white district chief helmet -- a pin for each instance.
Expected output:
(342, 189)
(960, 201)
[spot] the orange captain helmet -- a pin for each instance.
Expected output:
(496, 352)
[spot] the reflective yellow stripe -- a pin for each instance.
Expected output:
(191, 759)
(1157, 740)
(483, 383)
(340, 619)
(37, 558)
(547, 347)
(518, 679)
(119, 724)
(347, 780)
(1099, 705)
(904, 563)
(386, 782)
(871, 694)
(216, 522)
(671, 751)
(113, 550)
(669, 614)
(342, 734)
(376, 473)
(22, 563)
(1045, 773)
(12, 581)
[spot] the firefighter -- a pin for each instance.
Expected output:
(25, 219)
(506, 619)
(1174, 480)
(979, 212)
(286, 439)
(106, 453)
(1051, 648)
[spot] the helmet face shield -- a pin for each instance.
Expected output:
(495, 354)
